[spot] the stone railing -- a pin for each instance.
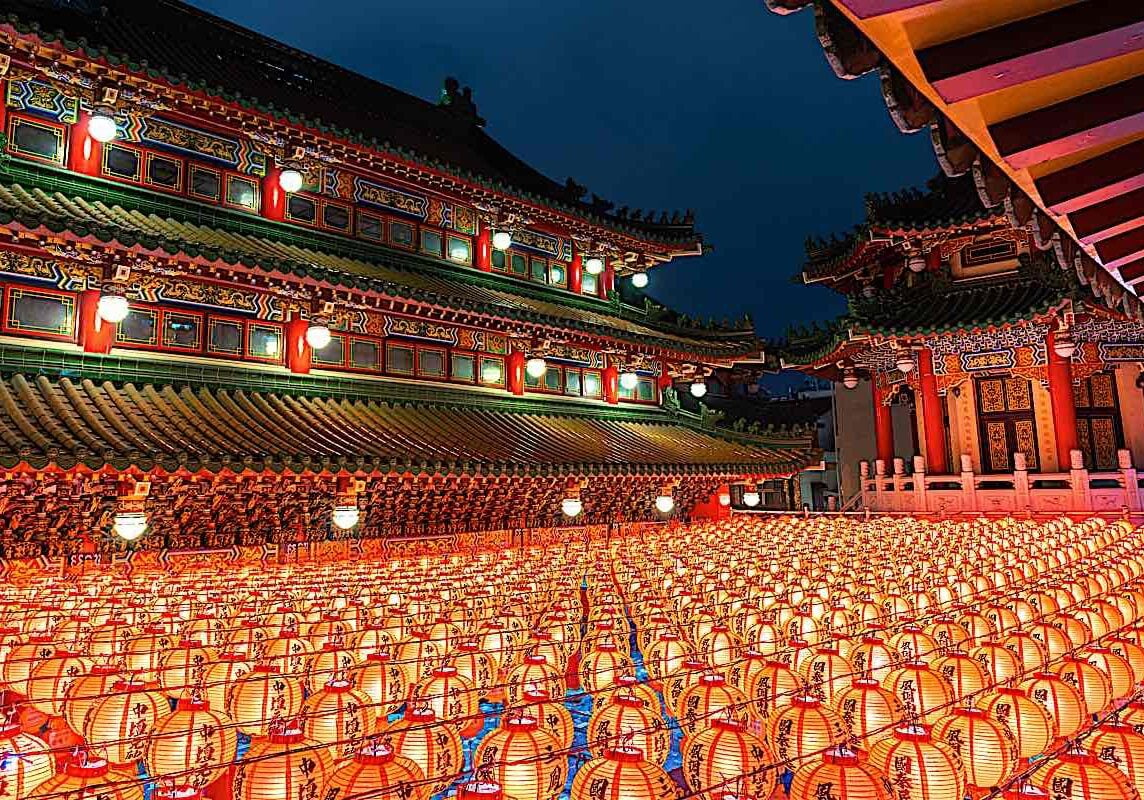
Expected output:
(1016, 491)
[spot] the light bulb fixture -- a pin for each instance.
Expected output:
(318, 334)
(346, 516)
(502, 240)
(906, 362)
(849, 378)
(1063, 343)
(112, 306)
(665, 504)
(916, 262)
(724, 499)
(629, 381)
(571, 506)
(101, 125)
(290, 180)
(639, 280)
(129, 525)
(699, 389)
(751, 499)
(536, 367)
(593, 265)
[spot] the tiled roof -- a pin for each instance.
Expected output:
(189, 47)
(69, 421)
(172, 227)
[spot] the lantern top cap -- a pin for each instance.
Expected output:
(625, 754)
(87, 768)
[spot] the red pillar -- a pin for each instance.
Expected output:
(273, 198)
(1063, 402)
(96, 335)
(484, 254)
(612, 384)
(84, 153)
(936, 463)
(576, 273)
(299, 355)
(608, 282)
(883, 426)
(516, 372)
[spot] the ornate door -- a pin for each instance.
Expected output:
(1007, 424)
(1098, 430)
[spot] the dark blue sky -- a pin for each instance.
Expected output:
(721, 107)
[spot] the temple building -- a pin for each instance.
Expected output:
(973, 373)
(246, 290)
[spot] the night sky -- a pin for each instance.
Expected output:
(721, 107)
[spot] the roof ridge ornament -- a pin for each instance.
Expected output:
(459, 101)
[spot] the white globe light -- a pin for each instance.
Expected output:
(502, 240)
(639, 279)
(290, 180)
(129, 526)
(317, 335)
(850, 379)
(101, 127)
(724, 499)
(629, 381)
(536, 367)
(751, 499)
(571, 506)
(664, 504)
(594, 265)
(112, 308)
(699, 389)
(1063, 345)
(906, 363)
(345, 517)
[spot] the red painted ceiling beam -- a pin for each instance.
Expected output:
(1132, 272)
(1110, 218)
(1123, 249)
(864, 9)
(1099, 117)
(1096, 180)
(1034, 47)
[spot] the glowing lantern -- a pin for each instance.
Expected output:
(263, 698)
(1087, 777)
(1029, 722)
(724, 749)
(999, 662)
(553, 718)
(475, 665)
(220, 676)
(194, 742)
(921, 690)
(720, 647)
(872, 658)
(627, 776)
(534, 672)
(22, 659)
(1114, 667)
(1132, 653)
(1053, 639)
(867, 708)
(1092, 683)
(122, 721)
(417, 655)
(913, 644)
(666, 656)
(383, 681)
(49, 680)
(110, 638)
(701, 702)
(963, 673)
(1027, 649)
(525, 760)
(90, 778)
(987, 748)
(74, 634)
(918, 765)
(336, 715)
(434, 746)
(1063, 702)
(826, 673)
(948, 634)
(630, 686)
(378, 772)
(452, 697)
(85, 690)
(284, 766)
(627, 720)
(184, 666)
(805, 727)
(1118, 744)
(27, 761)
(839, 775)
(602, 666)
(290, 653)
(772, 687)
(329, 662)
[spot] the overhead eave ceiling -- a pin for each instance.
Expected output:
(1050, 91)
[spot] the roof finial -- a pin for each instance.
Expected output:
(460, 101)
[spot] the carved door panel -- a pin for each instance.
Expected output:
(1007, 424)
(1098, 427)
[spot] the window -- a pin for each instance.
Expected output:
(554, 379)
(121, 162)
(593, 386)
(41, 312)
(182, 331)
(572, 382)
(301, 209)
(166, 173)
(558, 275)
(365, 354)
(589, 284)
(140, 327)
(460, 250)
(539, 270)
(401, 234)
(492, 371)
(431, 243)
(499, 260)
(370, 227)
(37, 140)
(241, 192)
(225, 337)
(333, 354)
(463, 367)
(265, 342)
(206, 183)
(518, 265)
(431, 363)
(399, 359)
(336, 217)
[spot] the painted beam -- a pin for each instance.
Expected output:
(1080, 123)
(864, 9)
(1123, 249)
(1110, 218)
(1094, 181)
(1035, 47)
